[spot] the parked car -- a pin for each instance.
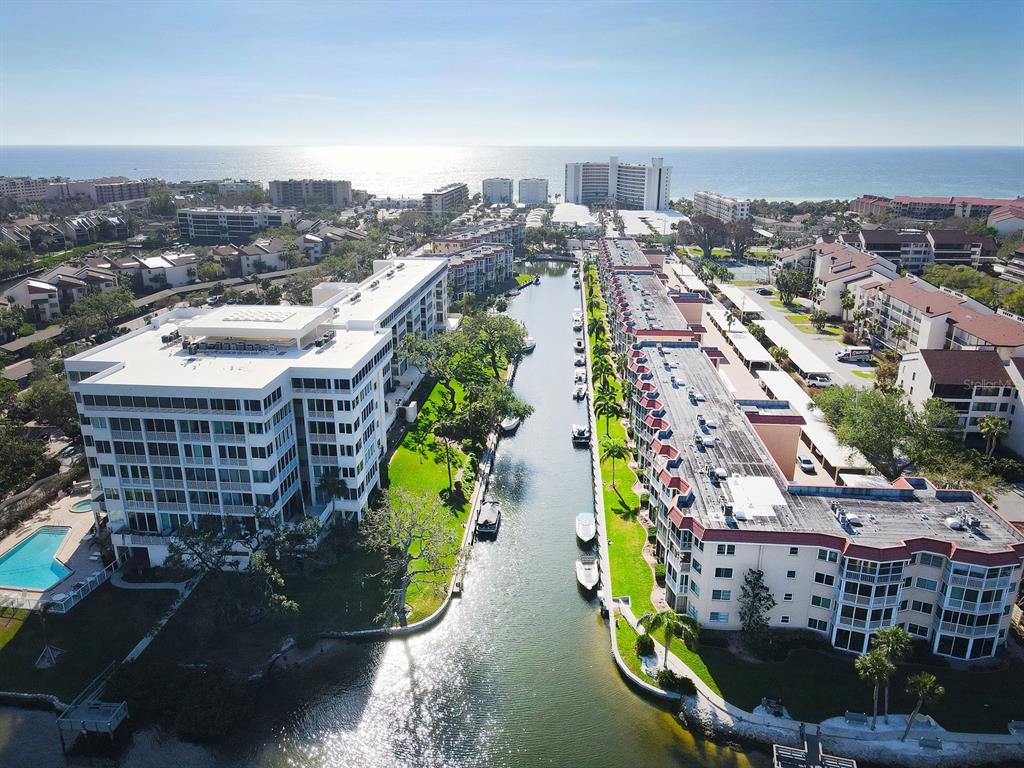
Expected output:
(805, 464)
(763, 291)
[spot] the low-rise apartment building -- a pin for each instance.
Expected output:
(23, 189)
(840, 561)
(1007, 220)
(838, 268)
(497, 191)
(533, 191)
(934, 318)
(915, 250)
(51, 294)
(84, 230)
(511, 232)
(478, 269)
(723, 207)
(113, 189)
(931, 208)
(298, 192)
(450, 198)
(157, 272)
(225, 225)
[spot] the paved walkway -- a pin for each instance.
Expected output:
(118, 580)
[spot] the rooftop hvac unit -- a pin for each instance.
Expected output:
(374, 283)
(400, 265)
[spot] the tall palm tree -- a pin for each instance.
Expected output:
(780, 355)
(894, 642)
(899, 334)
(927, 689)
(993, 429)
(672, 624)
(602, 368)
(607, 407)
(614, 450)
(598, 330)
(874, 668)
(600, 349)
(847, 301)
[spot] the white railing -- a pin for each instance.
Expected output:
(90, 585)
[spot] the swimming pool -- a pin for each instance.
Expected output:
(30, 565)
(81, 506)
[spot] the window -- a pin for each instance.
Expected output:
(824, 578)
(821, 602)
(828, 555)
(817, 624)
(696, 566)
(917, 629)
(926, 558)
(723, 573)
(726, 549)
(790, 574)
(694, 588)
(917, 605)
(716, 617)
(929, 584)
(794, 550)
(784, 620)
(721, 594)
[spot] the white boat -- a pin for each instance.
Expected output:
(580, 435)
(489, 519)
(579, 346)
(588, 572)
(580, 377)
(529, 344)
(577, 325)
(579, 361)
(577, 314)
(586, 527)
(510, 425)
(580, 393)
(536, 280)
(514, 292)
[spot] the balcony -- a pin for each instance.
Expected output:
(197, 461)
(123, 434)
(228, 462)
(868, 601)
(229, 438)
(963, 631)
(975, 582)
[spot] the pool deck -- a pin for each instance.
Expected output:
(73, 552)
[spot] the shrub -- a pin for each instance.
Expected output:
(652, 533)
(659, 573)
(668, 679)
(644, 645)
(849, 339)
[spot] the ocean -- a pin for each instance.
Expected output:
(788, 173)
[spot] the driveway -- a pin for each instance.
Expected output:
(825, 347)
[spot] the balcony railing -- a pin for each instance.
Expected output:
(963, 631)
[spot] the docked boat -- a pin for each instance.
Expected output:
(577, 325)
(586, 527)
(536, 280)
(580, 435)
(579, 361)
(529, 344)
(488, 521)
(588, 572)
(576, 284)
(579, 346)
(514, 292)
(510, 425)
(580, 393)
(580, 377)
(577, 314)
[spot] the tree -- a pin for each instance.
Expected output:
(446, 358)
(819, 319)
(160, 203)
(876, 669)
(926, 687)
(24, 457)
(414, 536)
(993, 429)
(756, 600)
(706, 231)
(50, 401)
(602, 369)
(487, 403)
(740, 236)
(779, 354)
(212, 550)
(899, 334)
(607, 407)
(847, 301)
(792, 281)
(499, 338)
(208, 271)
(894, 642)
(613, 450)
(672, 625)
(98, 312)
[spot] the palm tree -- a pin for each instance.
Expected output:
(847, 301)
(927, 689)
(780, 354)
(614, 450)
(600, 349)
(602, 368)
(894, 642)
(993, 429)
(672, 625)
(899, 335)
(874, 668)
(607, 406)
(598, 330)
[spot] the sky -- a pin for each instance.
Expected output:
(514, 73)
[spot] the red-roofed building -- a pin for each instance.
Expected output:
(1007, 220)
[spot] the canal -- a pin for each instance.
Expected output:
(518, 674)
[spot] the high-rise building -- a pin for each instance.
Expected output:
(497, 191)
(533, 191)
(301, 191)
(620, 185)
(447, 199)
(203, 417)
(226, 225)
(723, 207)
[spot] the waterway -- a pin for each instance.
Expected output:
(519, 673)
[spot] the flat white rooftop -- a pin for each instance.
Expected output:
(572, 213)
(736, 295)
(651, 222)
(749, 348)
(257, 322)
(802, 357)
(142, 359)
(395, 282)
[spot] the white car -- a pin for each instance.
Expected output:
(805, 464)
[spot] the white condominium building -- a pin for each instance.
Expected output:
(204, 416)
(721, 206)
(23, 189)
(840, 561)
(497, 191)
(485, 232)
(533, 191)
(301, 191)
(622, 185)
(226, 225)
(447, 199)
(479, 268)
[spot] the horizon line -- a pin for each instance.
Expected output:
(551, 146)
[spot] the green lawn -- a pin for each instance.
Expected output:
(625, 639)
(864, 374)
(798, 318)
(102, 628)
(524, 279)
(974, 701)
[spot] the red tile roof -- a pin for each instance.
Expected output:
(960, 367)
